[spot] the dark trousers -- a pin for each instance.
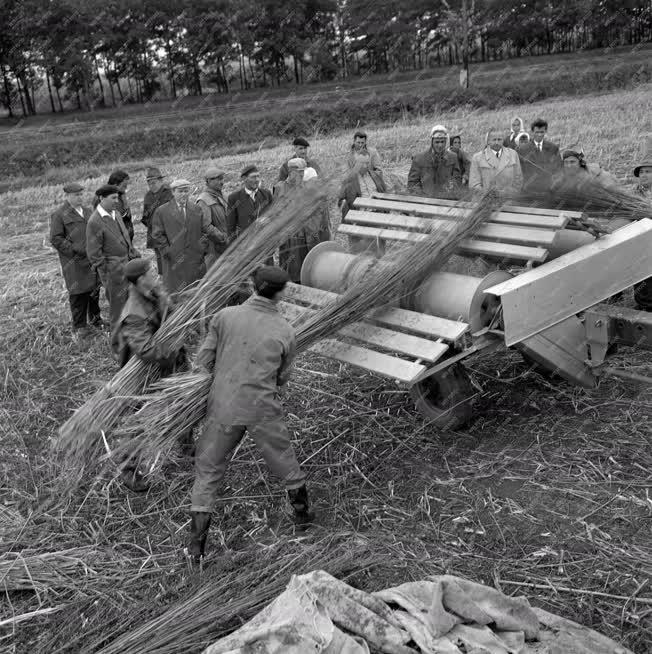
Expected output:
(85, 306)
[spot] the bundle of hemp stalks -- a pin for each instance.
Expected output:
(81, 437)
(596, 199)
(229, 595)
(178, 402)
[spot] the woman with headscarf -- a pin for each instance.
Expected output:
(462, 157)
(517, 127)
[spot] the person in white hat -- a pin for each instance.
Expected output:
(179, 234)
(436, 172)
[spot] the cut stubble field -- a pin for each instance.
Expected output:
(549, 485)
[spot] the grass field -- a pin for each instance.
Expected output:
(549, 485)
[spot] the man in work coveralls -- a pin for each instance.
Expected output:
(250, 349)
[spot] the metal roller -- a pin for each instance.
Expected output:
(449, 295)
(330, 267)
(459, 297)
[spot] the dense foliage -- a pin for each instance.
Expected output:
(87, 53)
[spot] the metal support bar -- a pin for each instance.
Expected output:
(626, 326)
(484, 345)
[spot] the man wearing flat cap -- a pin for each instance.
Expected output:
(109, 248)
(314, 229)
(436, 172)
(179, 234)
(213, 206)
(249, 350)
(68, 236)
(147, 306)
(301, 147)
(247, 204)
(158, 193)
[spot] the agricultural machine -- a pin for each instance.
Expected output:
(548, 306)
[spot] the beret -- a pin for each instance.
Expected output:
(247, 170)
(301, 141)
(214, 172)
(107, 189)
(153, 173)
(72, 187)
(360, 134)
(179, 183)
(135, 268)
(297, 162)
(270, 279)
(572, 153)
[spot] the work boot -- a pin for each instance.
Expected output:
(199, 524)
(303, 516)
(134, 480)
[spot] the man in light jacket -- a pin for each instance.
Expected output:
(496, 167)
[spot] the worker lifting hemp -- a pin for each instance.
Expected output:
(147, 306)
(250, 348)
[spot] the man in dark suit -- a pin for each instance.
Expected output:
(248, 204)
(540, 160)
(109, 248)
(68, 237)
(181, 235)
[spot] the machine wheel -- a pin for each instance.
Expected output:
(445, 398)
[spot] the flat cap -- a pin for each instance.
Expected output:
(153, 173)
(297, 162)
(212, 173)
(247, 170)
(180, 183)
(107, 189)
(136, 268)
(301, 141)
(72, 187)
(270, 279)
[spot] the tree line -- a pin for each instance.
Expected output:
(85, 54)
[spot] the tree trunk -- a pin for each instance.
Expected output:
(58, 90)
(131, 91)
(173, 86)
(296, 69)
(20, 95)
(224, 78)
(99, 81)
(47, 79)
(5, 80)
(196, 76)
(241, 70)
(29, 104)
(79, 104)
(117, 83)
(110, 87)
(251, 72)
